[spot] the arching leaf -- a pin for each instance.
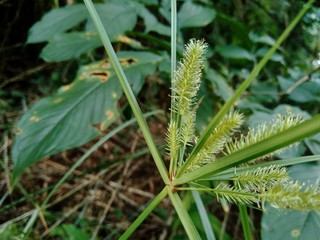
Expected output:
(291, 224)
(193, 15)
(117, 18)
(78, 112)
(57, 21)
(70, 45)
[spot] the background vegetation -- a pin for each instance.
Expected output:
(48, 46)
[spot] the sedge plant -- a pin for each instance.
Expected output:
(215, 154)
(233, 157)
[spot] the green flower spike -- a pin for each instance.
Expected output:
(185, 86)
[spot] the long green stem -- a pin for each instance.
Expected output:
(184, 216)
(230, 173)
(173, 38)
(128, 91)
(245, 222)
(173, 162)
(145, 214)
(203, 215)
(227, 106)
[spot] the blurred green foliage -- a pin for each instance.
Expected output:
(239, 33)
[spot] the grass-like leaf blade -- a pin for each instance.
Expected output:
(254, 151)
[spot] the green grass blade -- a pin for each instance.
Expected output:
(173, 38)
(254, 73)
(245, 222)
(80, 161)
(203, 215)
(184, 216)
(173, 162)
(271, 144)
(91, 150)
(145, 214)
(230, 173)
(128, 91)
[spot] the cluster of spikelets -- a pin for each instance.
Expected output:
(255, 186)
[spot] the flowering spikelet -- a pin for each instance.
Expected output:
(173, 142)
(187, 128)
(187, 79)
(185, 85)
(259, 179)
(263, 131)
(233, 195)
(217, 140)
(293, 195)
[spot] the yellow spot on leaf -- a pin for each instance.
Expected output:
(58, 100)
(89, 35)
(110, 115)
(82, 76)
(105, 64)
(67, 87)
(127, 61)
(124, 39)
(127, 40)
(34, 119)
(295, 233)
(102, 126)
(18, 131)
(114, 95)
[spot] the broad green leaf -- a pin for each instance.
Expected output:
(313, 143)
(70, 45)
(151, 22)
(149, 2)
(292, 152)
(264, 93)
(137, 65)
(70, 118)
(57, 21)
(290, 224)
(308, 173)
(306, 92)
(259, 117)
(165, 11)
(193, 15)
(240, 32)
(235, 52)
(265, 39)
(130, 42)
(78, 112)
(252, 106)
(219, 84)
(117, 18)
